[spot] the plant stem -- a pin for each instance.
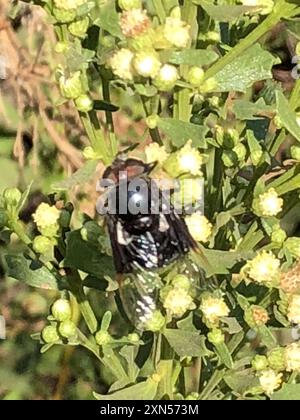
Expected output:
(281, 10)
(109, 117)
(182, 107)
(154, 132)
(160, 10)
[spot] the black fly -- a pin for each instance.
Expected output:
(142, 238)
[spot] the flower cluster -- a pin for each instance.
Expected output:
(263, 269)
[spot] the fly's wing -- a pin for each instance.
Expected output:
(120, 260)
(180, 233)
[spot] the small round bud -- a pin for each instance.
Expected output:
(208, 85)
(216, 337)
(256, 316)
(67, 329)
(71, 87)
(276, 359)
(155, 153)
(292, 357)
(156, 322)
(295, 153)
(147, 64)
(167, 78)
(50, 335)
(79, 27)
(42, 244)
(134, 23)
(195, 76)
(260, 363)
(152, 121)
(84, 103)
(241, 151)
(182, 282)
(103, 338)
(61, 310)
(268, 204)
(12, 196)
(278, 236)
(199, 227)
(130, 4)
(264, 268)
(46, 218)
(270, 381)
(121, 64)
(177, 32)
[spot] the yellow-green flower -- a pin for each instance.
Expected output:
(71, 87)
(190, 160)
(121, 64)
(166, 78)
(195, 76)
(147, 64)
(213, 308)
(294, 309)
(134, 22)
(268, 204)
(270, 381)
(155, 153)
(46, 218)
(177, 302)
(264, 268)
(292, 357)
(199, 227)
(177, 32)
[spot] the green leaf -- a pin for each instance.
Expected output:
(180, 132)
(224, 355)
(198, 58)
(293, 26)
(224, 13)
(240, 382)
(185, 343)
(31, 272)
(246, 110)
(80, 177)
(109, 19)
(287, 116)
(147, 91)
(86, 257)
(142, 391)
(252, 66)
(289, 392)
(78, 58)
(100, 105)
(267, 337)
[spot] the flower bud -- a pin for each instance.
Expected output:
(61, 310)
(71, 87)
(103, 338)
(189, 160)
(195, 76)
(292, 357)
(50, 335)
(84, 103)
(42, 244)
(182, 282)
(295, 152)
(264, 268)
(155, 153)
(156, 322)
(177, 302)
(270, 381)
(241, 151)
(121, 64)
(67, 329)
(199, 227)
(147, 64)
(216, 337)
(177, 32)
(130, 4)
(61, 47)
(166, 78)
(278, 235)
(294, 309)
(293, 246)
(213, 308)
(209, 85)
(12, 197)
(276, 359)
(134, 22)
(46, 218)
(260, 363)
(152, 121)
(268, 204)
(79, 27)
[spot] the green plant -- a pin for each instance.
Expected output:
(194, 66)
